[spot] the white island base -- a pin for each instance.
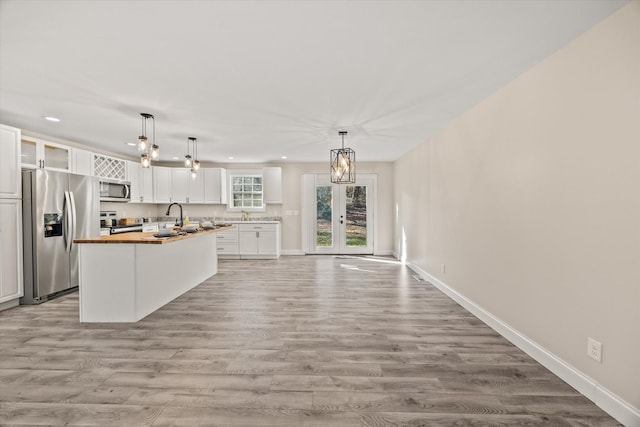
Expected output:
(124, 282)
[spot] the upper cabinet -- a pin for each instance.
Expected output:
(180, 184)
(10, 182)
(215, 185)
(82, 162)
(141, 180)
(162, 184)
(109, 167)
(196, 188)
(38, 153)
(185, 188)
(272, 185)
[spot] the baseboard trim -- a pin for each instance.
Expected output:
(9, 304)
(605, 399)
(292, 252)
(395, 254)
(387, 252)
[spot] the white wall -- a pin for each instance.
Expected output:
(532, 200)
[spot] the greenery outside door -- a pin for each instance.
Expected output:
(343, 217)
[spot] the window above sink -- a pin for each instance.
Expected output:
(246, 192)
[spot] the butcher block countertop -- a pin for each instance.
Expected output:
(147, 238)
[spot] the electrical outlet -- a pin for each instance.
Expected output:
(594, 350)
(444, 269)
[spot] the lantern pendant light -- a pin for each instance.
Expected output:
(343, 164)
(148, 152)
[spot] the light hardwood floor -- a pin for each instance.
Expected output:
(299, 341)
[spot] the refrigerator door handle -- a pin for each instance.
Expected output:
(68, 220)
(74, 219)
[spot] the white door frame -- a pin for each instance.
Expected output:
(309, 214)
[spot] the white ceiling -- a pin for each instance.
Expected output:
(261, 79)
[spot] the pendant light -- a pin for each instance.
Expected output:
(192, 162)
(187, 157)
(148, 152)
(343, 164)
(196, 162)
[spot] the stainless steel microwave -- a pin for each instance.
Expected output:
(115, 191)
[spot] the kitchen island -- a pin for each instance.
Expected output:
(126, 277)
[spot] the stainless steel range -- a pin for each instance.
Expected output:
(117, 229)
(109, 224)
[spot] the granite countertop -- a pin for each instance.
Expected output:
(253, 222)
(146, 238)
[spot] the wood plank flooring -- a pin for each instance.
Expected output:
(299, 341)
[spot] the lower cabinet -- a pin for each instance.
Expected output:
(11, 285)
(259, 240)
(250, 241)
(227, 244)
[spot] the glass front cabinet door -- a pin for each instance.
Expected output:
(38, 153)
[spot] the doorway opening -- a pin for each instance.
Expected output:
(339, 217)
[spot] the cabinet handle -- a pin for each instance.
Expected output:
(257, 234)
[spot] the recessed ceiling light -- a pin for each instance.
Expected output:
(51, 119)
(132, 144)
(230, 157)
(283, 157)
(175, 158)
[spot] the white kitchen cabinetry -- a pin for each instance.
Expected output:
(38, 153)
(10, 182)
(272, 184)
(82, 162)
(259, 240)
(162, 184)
(141, 180)
(11, 285)
(196, 188)
(180, 184)
(109, 167)
(185, 188)
(227, 243)
(215, 185)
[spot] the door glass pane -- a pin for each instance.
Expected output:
(324, 202)
(28, 152)
(55, 157)
(356, 204)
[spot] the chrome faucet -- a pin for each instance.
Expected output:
(244, 216)
(169, 210)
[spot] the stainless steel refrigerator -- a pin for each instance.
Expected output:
(57, 208)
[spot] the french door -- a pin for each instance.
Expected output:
(342, 218)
